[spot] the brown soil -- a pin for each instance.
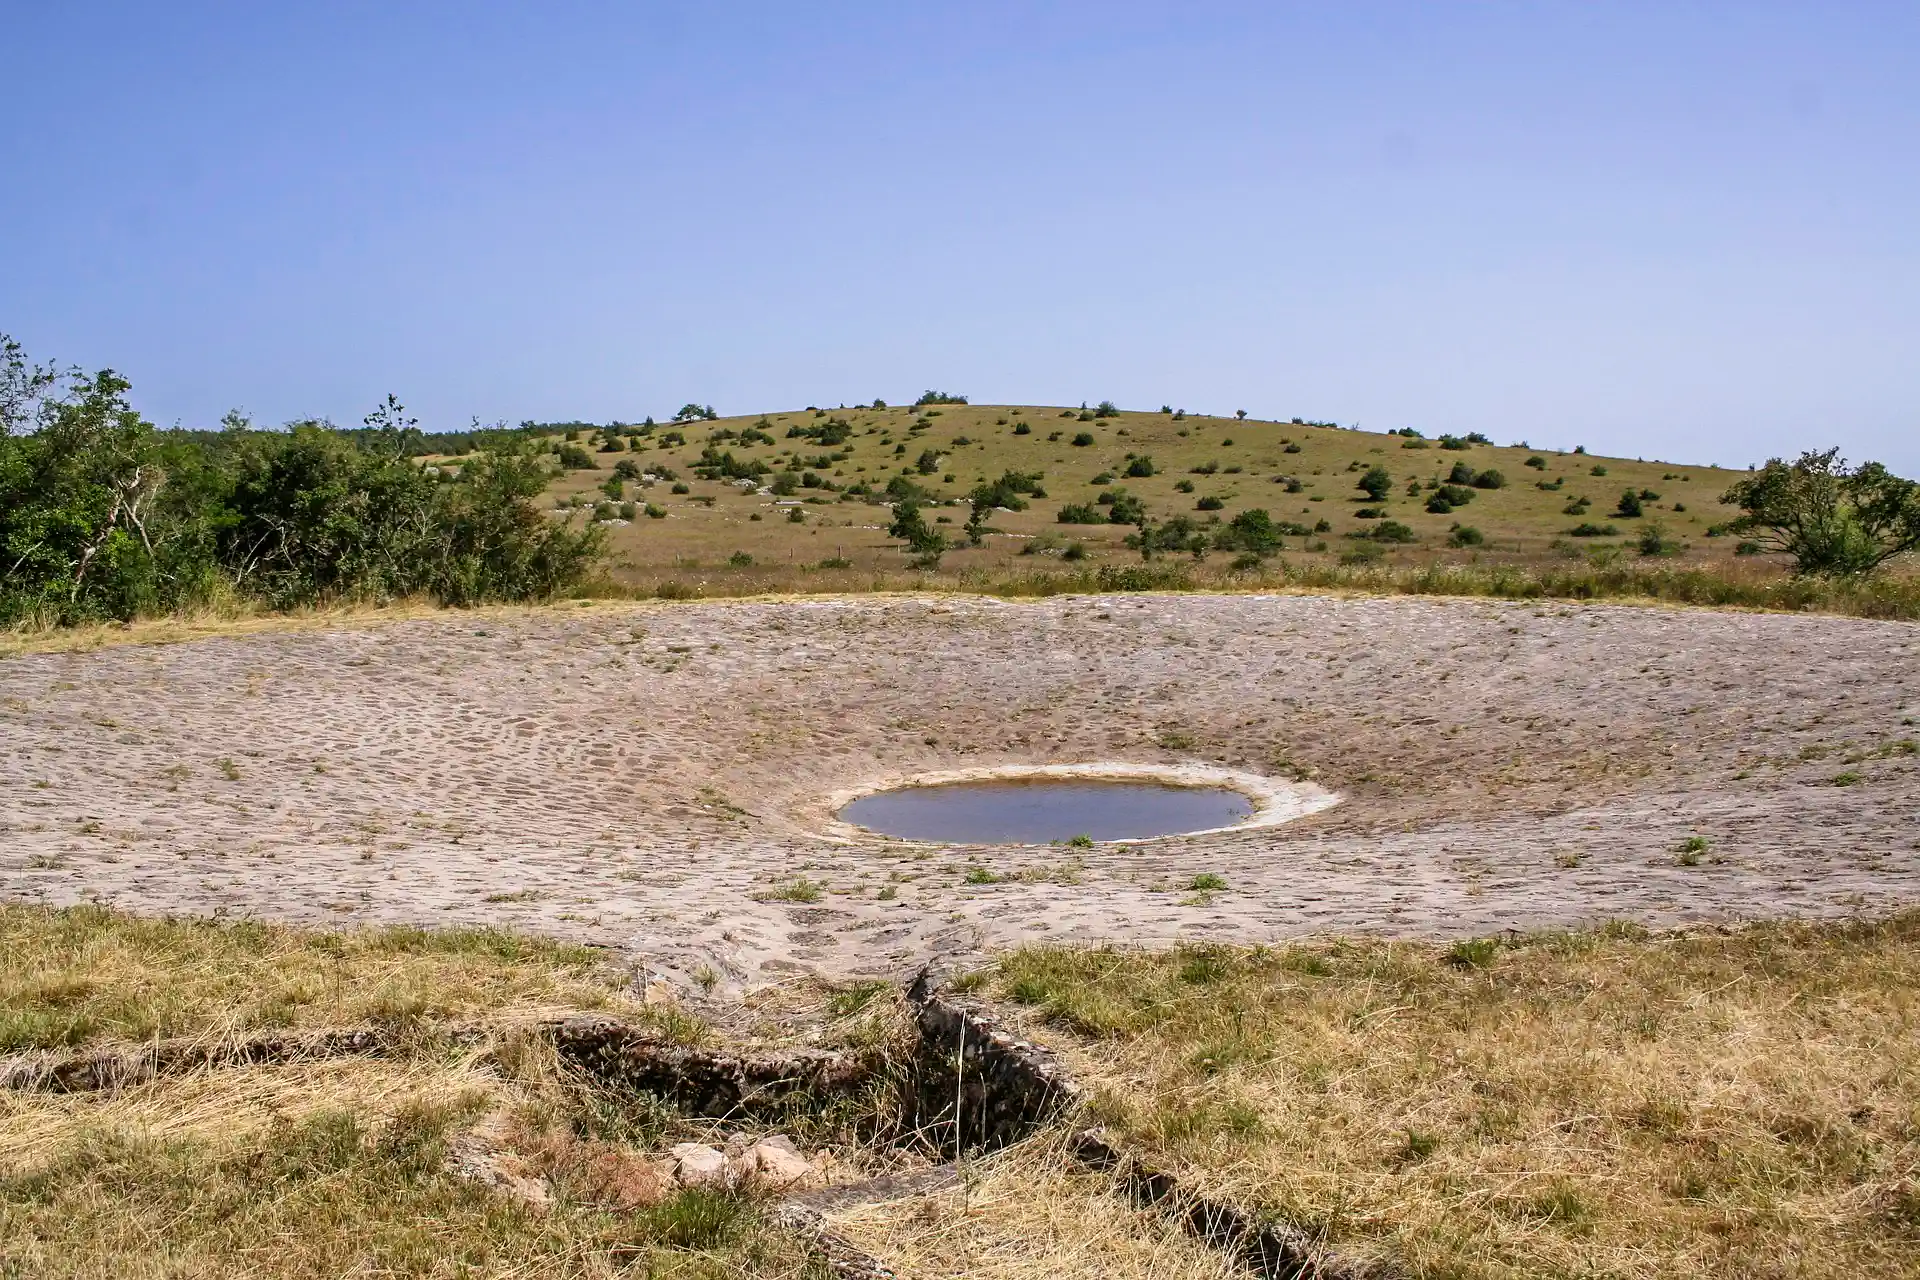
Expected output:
(649, 777)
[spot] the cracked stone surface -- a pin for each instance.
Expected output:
(651, 777)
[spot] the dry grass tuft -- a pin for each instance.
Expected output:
(342, 1167)
(84, 975)
(1604, 1103)
(1027, 1214)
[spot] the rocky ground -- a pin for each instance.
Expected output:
(653, 777)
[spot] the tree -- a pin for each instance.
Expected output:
(26, 390)
(691, 412)
(1833, 521)
(76, 500)
(1376, 483)
(925, 542)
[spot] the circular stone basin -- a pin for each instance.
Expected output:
(1042, 810)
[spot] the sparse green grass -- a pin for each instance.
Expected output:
(86, 975)
(1602, 1103)
(799, 889)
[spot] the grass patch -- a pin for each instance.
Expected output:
(798, 889)
(1599, 1103)
(86, 975)
(348, 1166)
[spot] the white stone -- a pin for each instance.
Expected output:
(697, 1165)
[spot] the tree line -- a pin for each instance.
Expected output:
(103, 517)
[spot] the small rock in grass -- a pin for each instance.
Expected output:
(697, 1165)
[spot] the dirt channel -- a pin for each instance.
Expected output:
(653, 777)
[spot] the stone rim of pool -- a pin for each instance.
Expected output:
(1274, 800)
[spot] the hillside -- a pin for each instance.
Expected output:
(1206, 468)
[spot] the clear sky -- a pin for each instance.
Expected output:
(1680, 230)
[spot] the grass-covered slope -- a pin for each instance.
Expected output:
(1548, 507)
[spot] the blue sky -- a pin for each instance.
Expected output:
(1678, 230)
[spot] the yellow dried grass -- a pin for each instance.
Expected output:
(1714, 1104)
(1026, 1213)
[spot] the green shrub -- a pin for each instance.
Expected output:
(1081, 439)
(1391, 531)
(1209, 503)
(1465, 535)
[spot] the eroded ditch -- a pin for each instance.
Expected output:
(963, 1088)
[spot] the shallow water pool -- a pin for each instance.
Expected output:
(1040, 810)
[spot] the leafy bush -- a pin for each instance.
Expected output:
(1081, 439)
(1376, 483)
(1461, 474)
(1254, 532)
(1124, 508)
(102, 517)
(574, 458)
(1465, 535)
(1833, 521)
(1537, 462)
(1653, 541)
(938, 397)
(1209, 503)
(1490, 479)
(1392, 531)
(1106, 409)
(1629, 506)
(1139, 467)
(691, 412)
(1587, 529)
(1081, 513)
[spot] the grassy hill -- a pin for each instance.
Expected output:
(1206, 468)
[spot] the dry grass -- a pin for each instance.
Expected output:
(343, 1170)
(1741, 1104)
(343, 1167)
(85, 975)
(1026, 1214)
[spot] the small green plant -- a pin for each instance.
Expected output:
(1082, 841)
(1473, 953)
(1847, 779)
(982, 875)
(1081, 439)
(228, 769)
(799, 889)
(739, 559)
(1207, 882)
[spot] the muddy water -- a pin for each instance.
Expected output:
(1044, 810)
